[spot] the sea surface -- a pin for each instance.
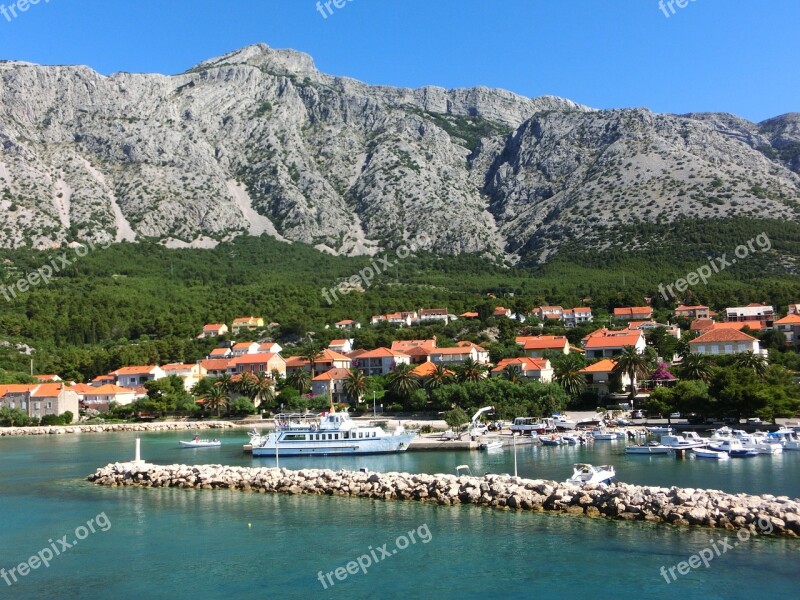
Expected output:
(179, 544)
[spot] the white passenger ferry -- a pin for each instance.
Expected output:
(330, 434)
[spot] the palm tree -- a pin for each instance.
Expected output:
(634, 365)
(216, 398)
(310, 352)
(262, 389)
(471, 371)
(696, 367)
(300, 380)
(753, 362)
(402, 381)
(226, 383)
(441, 376)
(355, 386)
(567, 373)
(513, 373)
(244, 386)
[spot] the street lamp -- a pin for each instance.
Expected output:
(374, 413)
(514, 438)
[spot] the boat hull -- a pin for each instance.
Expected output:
(200, 444)
(388, 445)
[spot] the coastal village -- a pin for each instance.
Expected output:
(729, 332)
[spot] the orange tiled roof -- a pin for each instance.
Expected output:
(134, 370)
(526, 363)
(604, 366)
(333, 375)
(427, 369)
(613, 341)
(383, 353)
(789, 320)
(546, 342)
(252, 359)
(47, 390)
(722, 335)
(216, 364)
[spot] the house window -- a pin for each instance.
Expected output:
(23, 405)
(728, 348)
(49, 405)
(37, 405)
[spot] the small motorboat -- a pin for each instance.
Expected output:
(198, 443)
(735, 449)
(489, 446)
(573, 439)
(712, 454)
(604, 435)
(551, 440)
(680, 442)
(659, 430)
(584, 474)
(652, 448)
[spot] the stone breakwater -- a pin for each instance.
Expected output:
(705, 508)
(165, 426)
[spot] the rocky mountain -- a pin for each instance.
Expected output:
(259, 141)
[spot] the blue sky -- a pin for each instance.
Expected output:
(738, 56)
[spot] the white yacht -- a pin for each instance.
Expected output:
(564, 423)
(330, 434)
(532, 425)
(682, 442)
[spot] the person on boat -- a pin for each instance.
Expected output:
(197, 438)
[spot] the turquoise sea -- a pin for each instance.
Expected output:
(218, 544)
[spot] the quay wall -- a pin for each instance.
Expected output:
(162, 426)
(762, 515)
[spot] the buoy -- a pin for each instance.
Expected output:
(249, 525)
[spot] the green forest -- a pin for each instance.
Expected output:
(143, 303)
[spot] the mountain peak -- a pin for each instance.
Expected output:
(262, 56)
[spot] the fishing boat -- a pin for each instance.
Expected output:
(584, 474)
(604, 435)
(712, 454)
(330, 434)
(651, 448)
(573, 439)
(198, 443)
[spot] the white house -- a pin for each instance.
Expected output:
(133, 377)
(380, 361)
(214, 330)
(608, 344)
(725, 341)
(535, 347)
(601, 376)
(343, 346)
(245, 348)
(790, 327)
(573, 317)
(532, 369)
(189, 373)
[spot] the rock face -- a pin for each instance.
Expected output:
(758, 515)
(259, 141)
(165, 426)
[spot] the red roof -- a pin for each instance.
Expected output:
(103, 390)
(404, 345)
(631, 311)
(47, 390)
(546, 342)
(603, 366)
(383, 353)
(789, 320)
(613, 341)
(525, 363)
(333, 375)
(220, 352)
(427, 369)
(722, 335)
(146, 370)
(213, 326)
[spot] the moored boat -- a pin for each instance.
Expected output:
(498, 445)
(584, 474)
(734, 448)
(652, 448)
(198, 443)
(330, 434)
(712, 454)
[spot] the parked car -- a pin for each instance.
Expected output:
(637, 414)
(675, 415)
(754, 421)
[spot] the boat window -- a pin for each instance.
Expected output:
(294, 437)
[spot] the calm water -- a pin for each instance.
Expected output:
(185, 544)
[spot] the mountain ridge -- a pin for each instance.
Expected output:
(258, 141)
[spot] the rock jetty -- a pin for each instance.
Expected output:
(165, 426)
(763, 515)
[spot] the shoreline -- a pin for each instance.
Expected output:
(760, 515)
(119, 427)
